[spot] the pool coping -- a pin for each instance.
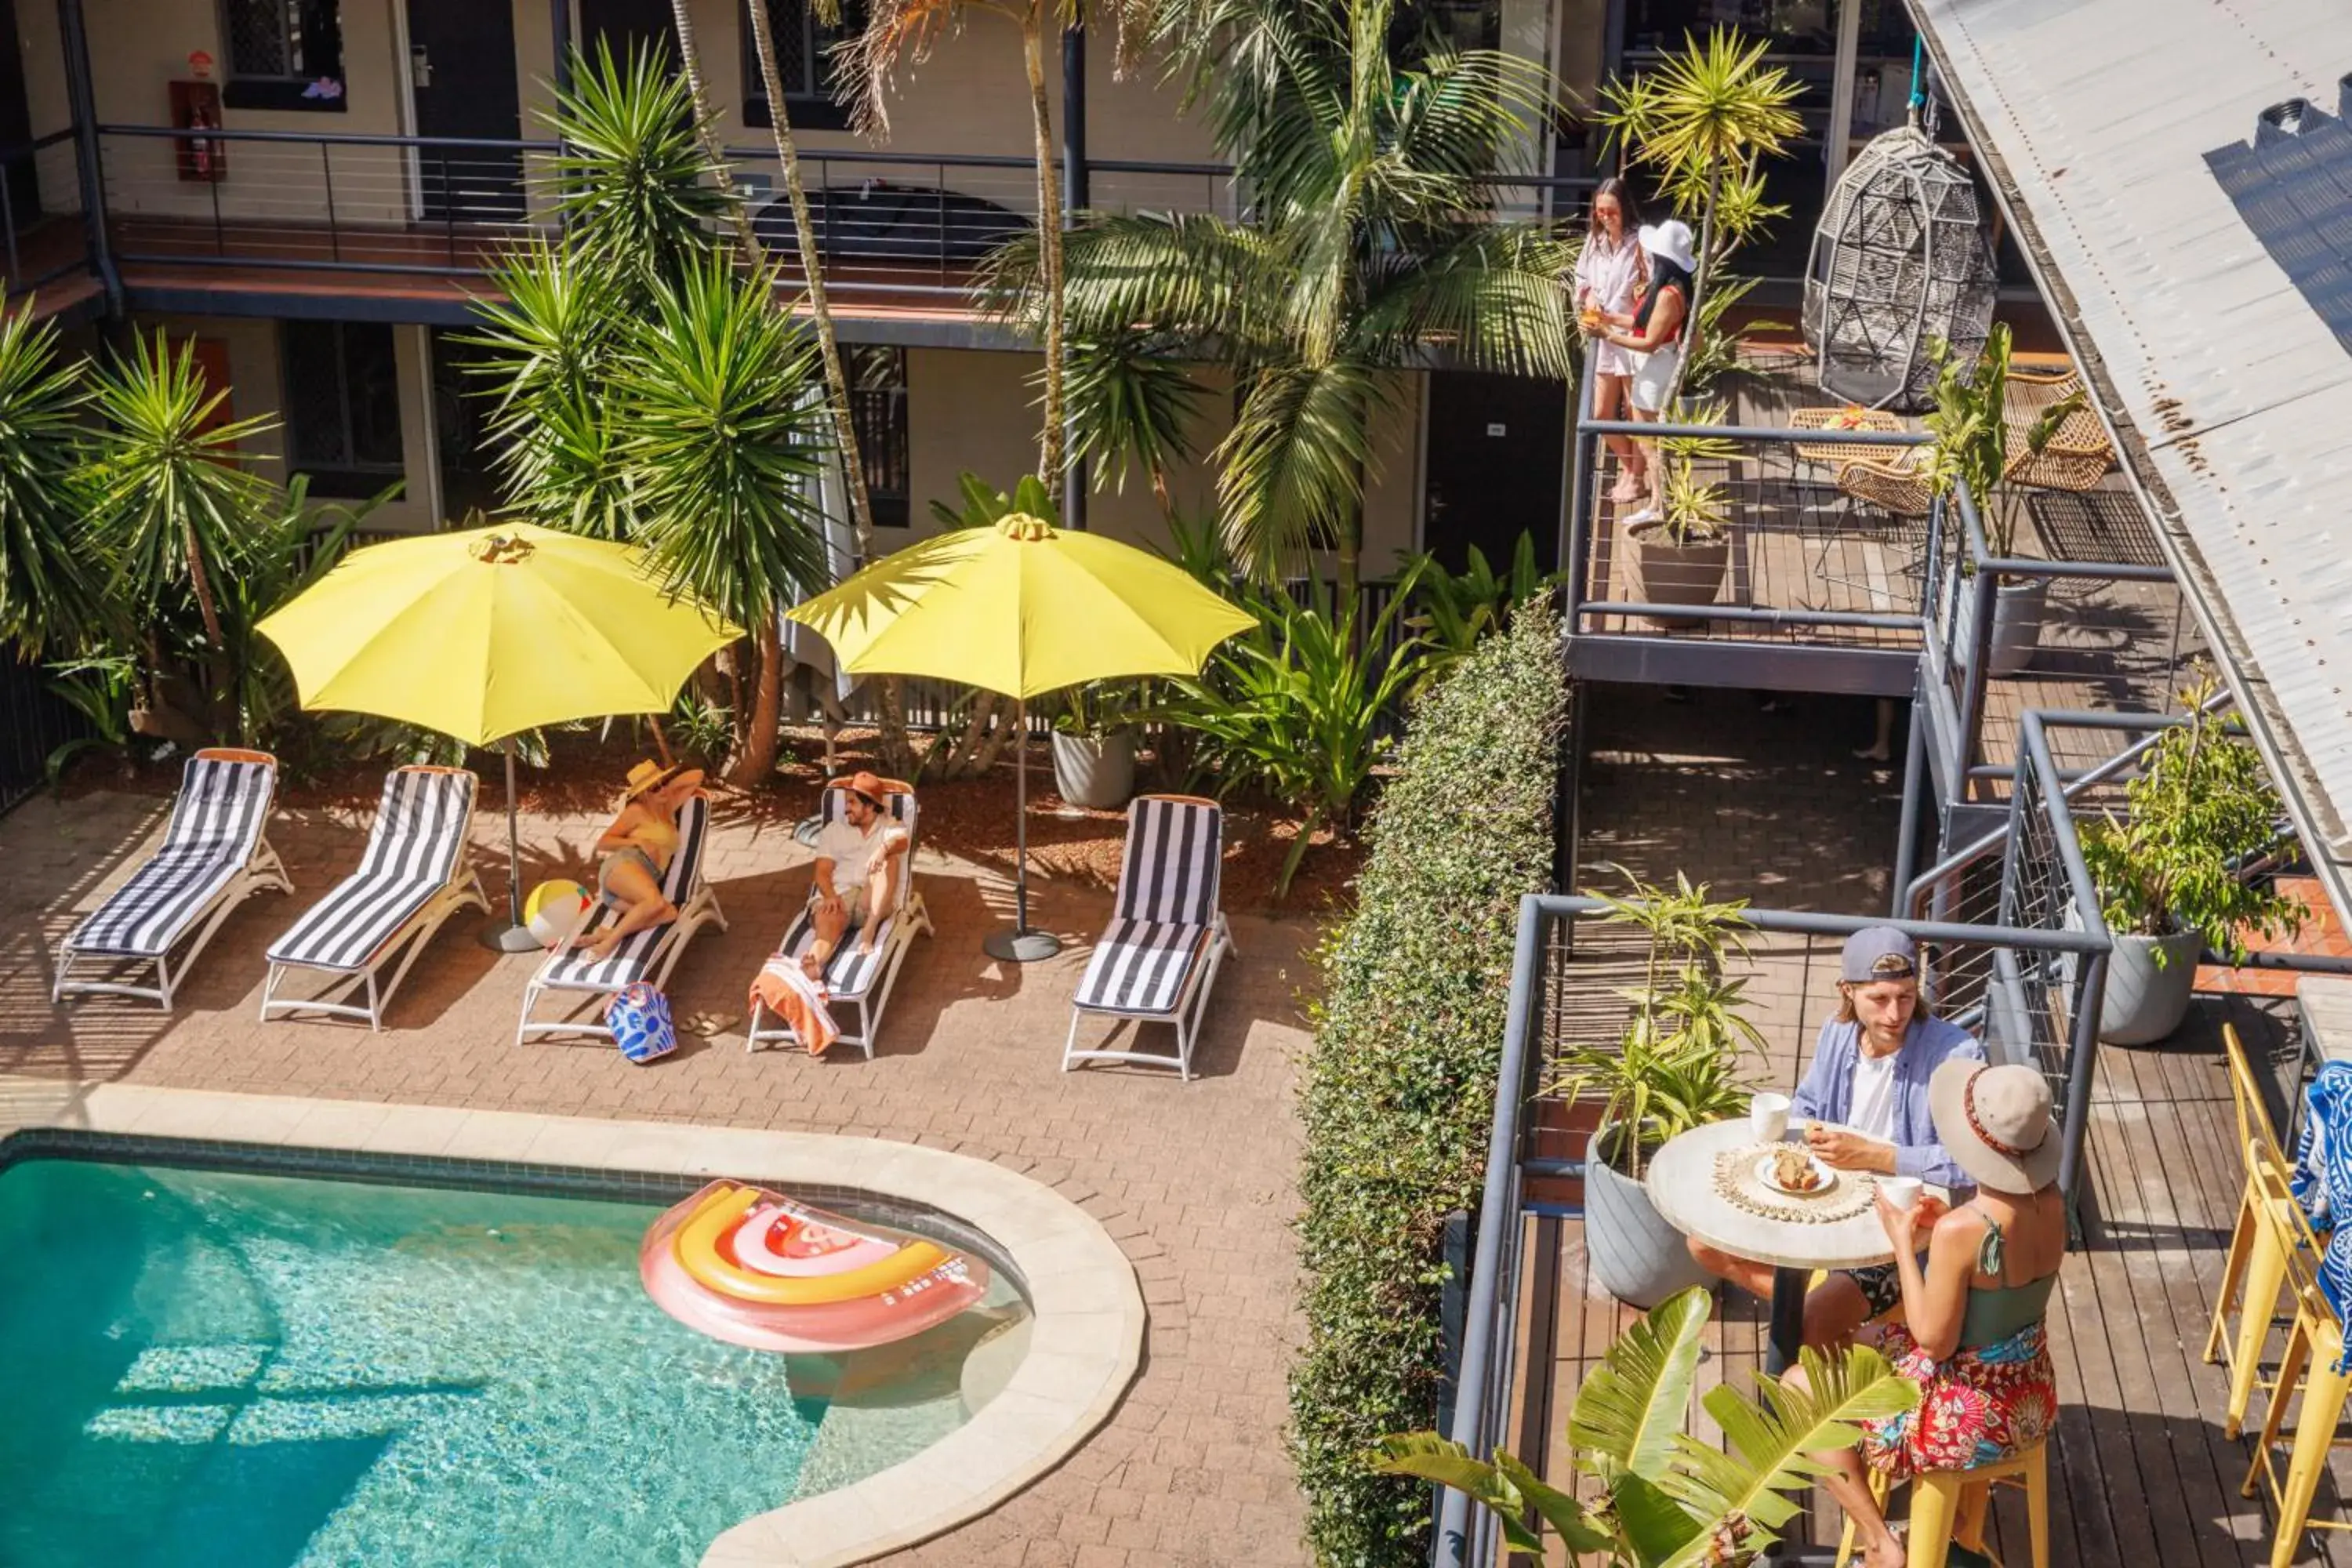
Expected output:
(1086, 1336)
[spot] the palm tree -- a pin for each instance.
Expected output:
(172, 502)
(1668, 1501)
(1705, 120)
(719, 442)
(45, 589)
(1368, 249)
(896, 30)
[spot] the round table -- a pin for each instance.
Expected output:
(1682, 1187)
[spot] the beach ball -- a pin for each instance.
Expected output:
(554, 910)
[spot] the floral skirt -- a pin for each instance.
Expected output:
(1978, 1407)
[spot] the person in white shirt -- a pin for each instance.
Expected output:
(856, 885)
(1610, 272)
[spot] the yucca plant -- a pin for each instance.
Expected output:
(1669, 1499)
(1131, 405)
(721, 442)
(1704, 120)
(1371, 243)
(172, 502)
(632, 182)
(46, 585)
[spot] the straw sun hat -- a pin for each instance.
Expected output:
(1995, 1123)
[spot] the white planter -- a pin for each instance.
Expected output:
(2144, 1000)
(1098, 774)
(2019, 610)
(1633, 1253)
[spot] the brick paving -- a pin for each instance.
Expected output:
(1195, 1180)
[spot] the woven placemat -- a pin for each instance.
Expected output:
(1735, 1182)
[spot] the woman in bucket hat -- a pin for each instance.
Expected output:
(1972, 1334)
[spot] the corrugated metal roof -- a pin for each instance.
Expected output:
(2110, 127)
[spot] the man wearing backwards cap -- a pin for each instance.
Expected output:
(1865, 1104)
(856, 872)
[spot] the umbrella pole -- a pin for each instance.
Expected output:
(512, 935)
(1021, 945)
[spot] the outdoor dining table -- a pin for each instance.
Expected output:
(1688, 1184)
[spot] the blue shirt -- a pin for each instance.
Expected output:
(1827, 1093)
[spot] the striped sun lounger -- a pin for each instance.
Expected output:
(1159, 957)
(648, 955)
(215, 851)
(414, 875)
(857, 978)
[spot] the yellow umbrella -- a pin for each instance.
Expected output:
(488, 632)
(1022, 608)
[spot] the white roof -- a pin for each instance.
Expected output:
(2096, 119)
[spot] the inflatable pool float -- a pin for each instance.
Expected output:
(757, 1270)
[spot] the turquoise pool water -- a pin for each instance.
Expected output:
(211, 1368)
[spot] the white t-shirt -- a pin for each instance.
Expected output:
(1871, 1112)
(854, 852)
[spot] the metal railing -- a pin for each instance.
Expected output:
(2030, 990)
(42, 236)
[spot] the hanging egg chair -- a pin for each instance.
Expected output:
(1900, 259)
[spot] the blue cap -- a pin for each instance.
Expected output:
(1879, 952)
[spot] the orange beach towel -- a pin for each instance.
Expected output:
(792, 995)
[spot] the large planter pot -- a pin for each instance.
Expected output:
(1095, 774)
(2019, 610)
(2144, 1001)
(1634, 1255)
(1668, 574)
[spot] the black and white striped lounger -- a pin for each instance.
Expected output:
(648, 956)
(414, 875)
(1159, 958)
(859, 978)
(216, 850)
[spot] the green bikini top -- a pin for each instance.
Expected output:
(1996, 1314)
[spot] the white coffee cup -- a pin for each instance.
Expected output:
(1768, 1117)
(1902, 1192)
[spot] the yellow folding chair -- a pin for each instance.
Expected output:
(2253, 1274)
(2314, 1347)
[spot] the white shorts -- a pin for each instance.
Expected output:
(1654, 375)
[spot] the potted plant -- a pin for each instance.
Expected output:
(2173, 870)
(1649, 1493)
(1680, 556)
(1094, 744)
(1675, 1069)
(1971, 446)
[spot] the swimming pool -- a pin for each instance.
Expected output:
(209, 1366)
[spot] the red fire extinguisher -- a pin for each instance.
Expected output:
(200, 148)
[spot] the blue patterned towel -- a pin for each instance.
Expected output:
(2322, 1182)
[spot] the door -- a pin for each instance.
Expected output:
(16, 126)
(623, 24)
(1496, 443)
(461, 69)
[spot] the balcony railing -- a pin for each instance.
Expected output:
(886, 222)
(42, 238)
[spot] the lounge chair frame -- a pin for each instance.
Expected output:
(262, 870)
(1191, 1000)
(859, 1014)
(699, 907)
(462, 889)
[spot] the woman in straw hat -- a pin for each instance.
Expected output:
(633, 854)
(1971, 1335)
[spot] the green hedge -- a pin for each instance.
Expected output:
(1399, 1085)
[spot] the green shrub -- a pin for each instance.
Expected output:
(1400, 1086)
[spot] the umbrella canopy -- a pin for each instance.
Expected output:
(488, 632)
(1022, 608)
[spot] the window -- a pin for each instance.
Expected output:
(283, 54)
(803, 61)
(877, 407)
(342, 399)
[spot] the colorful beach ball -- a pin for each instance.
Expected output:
(554, 910)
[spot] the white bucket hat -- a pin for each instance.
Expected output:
(1670, 241)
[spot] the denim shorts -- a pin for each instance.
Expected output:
(605, 871)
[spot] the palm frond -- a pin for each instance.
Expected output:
(1296, 462)
(896, 32)
(1631, 1407)
(1131, 403)
(47, 587)
(1188, 274)
(1492, 295)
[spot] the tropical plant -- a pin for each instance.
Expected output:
(1971, 427)
(1715, 344)
(1370, 245)
(2182, 855)
(1397, 1093)
(1705, 119)
(1669, 1499)
(1676, 1067)
(702, 728)
(1454, 610)
(1694, 510)
(1096, 710)
(46, 583)
(289, 549)
(1298, 705)
(1131, 405)
(721, 444)
(103, 689)
(630, 173)
(172, 502)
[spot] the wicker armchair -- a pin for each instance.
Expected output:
(2078, 453)
(1897, 483)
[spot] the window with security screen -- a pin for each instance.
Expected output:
(283, 54)
(342, 407)
(803, 60)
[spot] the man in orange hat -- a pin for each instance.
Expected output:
(857, 873)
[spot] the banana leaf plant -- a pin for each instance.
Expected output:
(1668, 1501)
